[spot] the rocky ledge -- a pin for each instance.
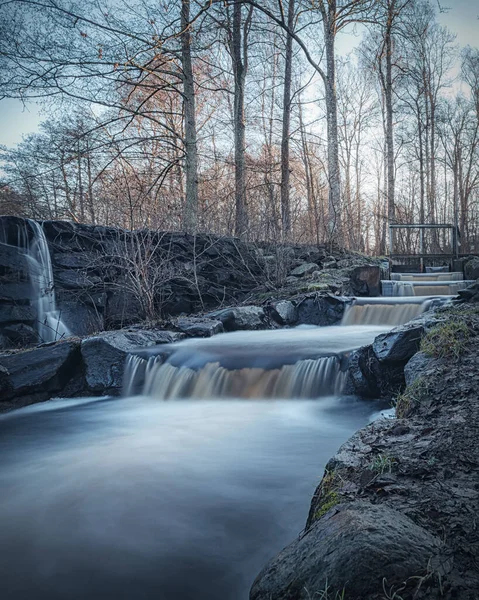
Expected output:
(395, 513)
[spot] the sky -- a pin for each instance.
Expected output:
(460, 16)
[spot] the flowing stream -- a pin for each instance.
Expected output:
(147, 499)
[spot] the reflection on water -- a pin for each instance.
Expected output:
(137, 499)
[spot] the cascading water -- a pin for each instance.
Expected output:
(384, 311)
(32, 243)
(290, 363)
(50, 324)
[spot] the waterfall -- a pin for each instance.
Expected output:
(422, 287)
(50, 325)
(384, 311)
(309, 378)
(32, 243)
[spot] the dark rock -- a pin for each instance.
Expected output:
(330, 263)
(304, 269)
(104, 355)
(370, 378)
(76, 260)
(471, 268)
(80, 318)
(73, 280)
(122, 308)
(353, 548)
(283, 312)
(366, 281)
(12, 260)
(20, 334)
(39, 373)
(10, 314)
(16, 293)
(240, 317)
(199, 327)
(320, 309)
(399, 344)
(416, 367)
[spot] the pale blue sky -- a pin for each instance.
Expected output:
(17, 120)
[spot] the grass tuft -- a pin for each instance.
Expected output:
(447, 340)
(413, 395)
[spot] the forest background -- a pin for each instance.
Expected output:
(241, 117)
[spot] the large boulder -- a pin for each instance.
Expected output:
(319, 309)
(366, 281)
(10, 313)
(36, 375)
(399, 344)
(283, 312)
(351, 550)
(240, 317)
(104, 355)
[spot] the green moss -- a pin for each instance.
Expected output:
(446, 340)
(413, 395)
(330, 500)
(328, 494)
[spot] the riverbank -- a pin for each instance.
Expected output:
(395, 513)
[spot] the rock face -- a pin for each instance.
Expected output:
(38, 374)
(96, 288)
(342, 551)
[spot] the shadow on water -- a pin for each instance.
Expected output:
(138, 499)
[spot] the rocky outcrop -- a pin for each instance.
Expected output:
(73, 367)
(341, 553)
(378, 370)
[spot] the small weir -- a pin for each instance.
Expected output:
(384, 311)
(305, 362)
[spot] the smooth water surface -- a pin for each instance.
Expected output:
(138, 499)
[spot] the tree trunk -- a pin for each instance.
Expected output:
(285, 200)
(389, 114)
(239, 70)
(334, 197)
(190, 210)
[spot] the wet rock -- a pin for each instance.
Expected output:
(283, 312)
(320, 309)
(199, 327)
(366, 281)
(240, 317)
(304, 269)
(104, 355)
(399, 344)
(354, 547)
(10, 314)
(37, 374)
(12, 261)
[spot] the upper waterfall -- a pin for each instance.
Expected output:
(31, 242)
